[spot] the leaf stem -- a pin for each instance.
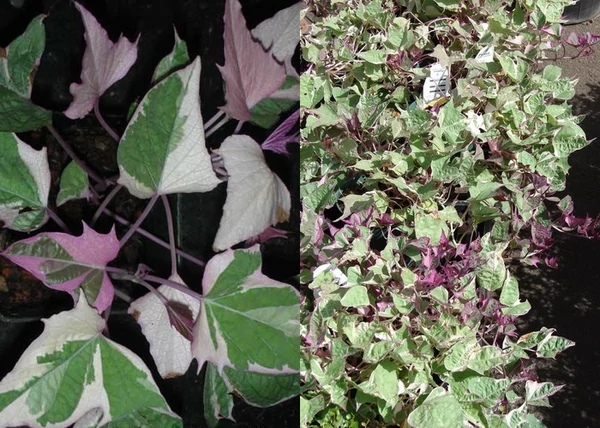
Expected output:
(177, 286)
(213, 119)
(107, 128)
(95, 176)
(165, 200)
(105, 203)
(126, 275)
(57, 220)
(153, 238)
(139, 221)
(217, 126)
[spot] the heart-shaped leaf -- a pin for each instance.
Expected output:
(236, 294)
(71, 372)
(162, 150)
(256, 197)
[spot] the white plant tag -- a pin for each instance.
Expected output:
(437, 85)
(485, 55)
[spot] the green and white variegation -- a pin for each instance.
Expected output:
(71, 374)
(24, 184)
(163, 149)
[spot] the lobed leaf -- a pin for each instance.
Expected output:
(70, 263)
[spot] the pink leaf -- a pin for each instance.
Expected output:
(104, 63)
(265, 235)
(250, 73)
(68, 263)
(278, 140)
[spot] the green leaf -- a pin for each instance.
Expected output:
(176, 59)
(72, 369)
(74, 184)
(492, 275)
(510, 291)
(24, 184)
(163, 150)
(569, 139)
(262, 389)
(430, 226)
(442, 411)
(383, 383)
(19, 114)
(537, 393)
(373, 57)
(266, 113)
(309, 408)
(514, 67)
(483, 359)
(356, 297)
(21, 57)
(218, 402)
(247, 321)
(551, 346)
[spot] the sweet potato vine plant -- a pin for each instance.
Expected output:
(435, 134)
(242, 324)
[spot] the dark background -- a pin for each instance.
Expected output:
(200, 24)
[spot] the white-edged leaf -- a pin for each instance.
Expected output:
(70, 263)
(256, 197)
(281, 33)
(247, 321)
(71, 370)
(218, 402)
(263, 390)
(169, 348)
(74, 184)
(163, 150)
(177, 58)
(17, 70)
(24, 184)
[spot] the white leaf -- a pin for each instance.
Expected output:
(256, 197)
(281, 33)
(169, 348)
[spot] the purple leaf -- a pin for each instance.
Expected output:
(104, 63)
(69, 263)
(250, 73)
(278, 140)
(265, 235)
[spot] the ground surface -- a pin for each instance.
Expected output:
(568, 298)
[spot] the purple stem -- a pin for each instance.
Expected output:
(57, 220)
(165, 200)
(238, 127)
(217, 126)
(177, 286)
(139, 221)
(213, 119)
(105, 203)
(124, 274)
(154, 238)
(107, 128)
(74, 156)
